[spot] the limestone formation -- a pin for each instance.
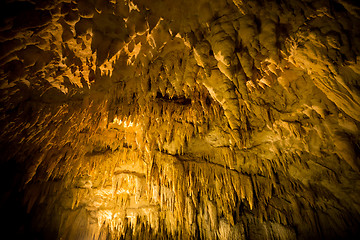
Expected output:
(163, 119)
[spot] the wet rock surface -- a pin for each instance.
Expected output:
(179, 119)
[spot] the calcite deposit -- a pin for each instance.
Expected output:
(164, 119)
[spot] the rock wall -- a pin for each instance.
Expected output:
(227, 119)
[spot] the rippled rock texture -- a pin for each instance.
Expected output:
(139, 119)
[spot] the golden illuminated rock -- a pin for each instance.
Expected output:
(137, 119)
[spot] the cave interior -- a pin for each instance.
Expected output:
(164, 119)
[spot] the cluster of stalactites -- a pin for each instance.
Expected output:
(133, 161)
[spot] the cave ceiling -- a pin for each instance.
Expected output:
(136, 119)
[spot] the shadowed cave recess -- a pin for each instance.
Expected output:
(164, 119)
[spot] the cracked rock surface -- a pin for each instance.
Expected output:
(162, 119)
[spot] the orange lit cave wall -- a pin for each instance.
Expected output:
(137, 119)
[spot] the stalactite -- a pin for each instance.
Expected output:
(211, 120)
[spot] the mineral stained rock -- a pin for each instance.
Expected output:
(163, 119)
